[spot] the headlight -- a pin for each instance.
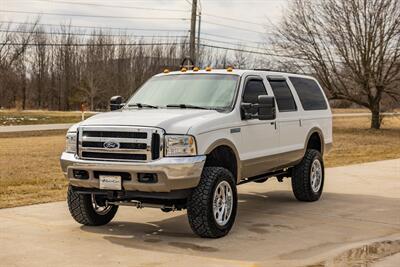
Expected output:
(70, 146)
(180, 145)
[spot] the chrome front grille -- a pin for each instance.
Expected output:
(119, 143)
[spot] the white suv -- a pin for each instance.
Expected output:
(186, 139)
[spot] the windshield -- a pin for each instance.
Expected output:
(214, 91)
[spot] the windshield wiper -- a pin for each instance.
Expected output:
(185, 106)
(141, 105)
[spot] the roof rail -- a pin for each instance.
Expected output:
(269, 70)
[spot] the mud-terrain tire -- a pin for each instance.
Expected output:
(305, 186)
(82, 209)
(206, 206)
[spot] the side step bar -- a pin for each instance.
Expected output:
(140, 205)
(279, 174)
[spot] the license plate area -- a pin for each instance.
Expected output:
(110, 182)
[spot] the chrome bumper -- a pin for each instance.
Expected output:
(173, 173)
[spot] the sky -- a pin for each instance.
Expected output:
(230, 21)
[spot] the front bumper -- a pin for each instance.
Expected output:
(173, 173)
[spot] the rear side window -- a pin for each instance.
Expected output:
(283, 95)
(310, 93)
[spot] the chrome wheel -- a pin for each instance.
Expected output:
(100, 208)
(316, 175)
(222, 203)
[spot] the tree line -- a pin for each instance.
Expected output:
(59, 72)
(42, 70)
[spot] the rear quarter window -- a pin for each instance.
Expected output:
(310, 94)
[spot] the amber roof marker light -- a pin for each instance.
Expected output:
(196, 69)
(183, 69)
(208, 69)
(229, 69)
(166, 70)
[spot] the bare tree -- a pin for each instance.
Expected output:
(240, 59)
(352, 46)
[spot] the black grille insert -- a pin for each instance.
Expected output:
(121, 145)
(155, 146)
(137, 135)
(99, 155)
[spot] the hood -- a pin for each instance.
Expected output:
(177, 121)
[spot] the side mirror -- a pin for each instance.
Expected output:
(116, 102)
(263, 110)
(266, 107)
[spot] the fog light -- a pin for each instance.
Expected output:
(80, 174)
(148, 178)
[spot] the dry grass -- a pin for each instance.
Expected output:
(30, 171)
(354, 142)
(27, 117)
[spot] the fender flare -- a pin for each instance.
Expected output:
(321, 137)
(228, 143)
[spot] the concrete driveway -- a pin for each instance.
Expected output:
(356, 221)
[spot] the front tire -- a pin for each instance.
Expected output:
(212, 205)
(89, 209)
(308, 177)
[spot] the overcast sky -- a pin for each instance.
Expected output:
(259, 14)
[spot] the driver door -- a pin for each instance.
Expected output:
(260, 139)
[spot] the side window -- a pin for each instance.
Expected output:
(252, 90)
(310, 93)
(283, 95)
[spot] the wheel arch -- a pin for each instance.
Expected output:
(223, 153)
(315, 140)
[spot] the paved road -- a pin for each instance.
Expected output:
(37, 127)
(358, 217)
(364, 114)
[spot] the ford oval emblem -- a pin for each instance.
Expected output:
(111, 145)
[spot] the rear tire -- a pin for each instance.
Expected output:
(88, 209)
(308, 177)
(212, 205)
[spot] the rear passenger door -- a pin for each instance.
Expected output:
(288, 120)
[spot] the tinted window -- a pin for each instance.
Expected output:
(283, 95)
(253, 89)
(310, 93)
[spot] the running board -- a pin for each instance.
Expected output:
(265, 176)
(140, 205)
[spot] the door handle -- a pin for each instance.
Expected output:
(273, 123)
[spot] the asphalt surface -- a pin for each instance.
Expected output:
(37, 127)
(357, 221)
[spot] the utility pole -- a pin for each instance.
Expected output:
(192, 45)
(198, 41)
